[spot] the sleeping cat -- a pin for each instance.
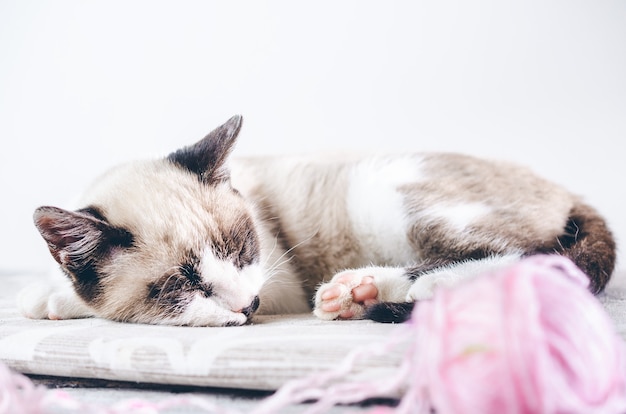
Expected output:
(198, 239)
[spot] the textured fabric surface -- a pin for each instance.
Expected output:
(261, 356)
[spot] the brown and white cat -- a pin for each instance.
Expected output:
(198, 239)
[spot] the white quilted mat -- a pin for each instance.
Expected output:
(260, 356)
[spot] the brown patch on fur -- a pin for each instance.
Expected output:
(526, 212)
(81, 241)
(238, 243)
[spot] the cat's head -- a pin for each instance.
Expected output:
(163, 241)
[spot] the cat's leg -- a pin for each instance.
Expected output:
(427, 281)
(349, 293)
(51, 299)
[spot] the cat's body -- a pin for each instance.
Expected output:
(194, 240)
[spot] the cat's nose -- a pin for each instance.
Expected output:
(249, 310)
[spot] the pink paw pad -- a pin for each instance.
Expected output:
(346, 296)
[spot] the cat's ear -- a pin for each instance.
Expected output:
(78, 239)
(207, 157)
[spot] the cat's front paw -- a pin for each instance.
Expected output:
(41, 301)
(32, 301)
(346, 296)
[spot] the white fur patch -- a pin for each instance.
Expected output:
(234, 289)
(377, 210)
(458, 216)
(207, 312)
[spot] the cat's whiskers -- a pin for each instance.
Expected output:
(272, 281)
(272, 251)
(272, 269)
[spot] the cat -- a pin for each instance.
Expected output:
(199, 239)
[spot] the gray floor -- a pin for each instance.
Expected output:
(101, 393)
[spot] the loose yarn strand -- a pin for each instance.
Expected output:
(316, 386)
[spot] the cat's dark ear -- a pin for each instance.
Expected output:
(207, 157)
(78, 239)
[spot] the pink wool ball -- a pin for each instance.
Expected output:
(527, 339)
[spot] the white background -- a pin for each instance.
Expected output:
(84, 85)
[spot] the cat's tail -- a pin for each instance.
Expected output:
(589, 243)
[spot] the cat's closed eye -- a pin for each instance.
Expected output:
(188, 270)
(194, 280)
(249, 252)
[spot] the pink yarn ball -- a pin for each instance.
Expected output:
(527, 339)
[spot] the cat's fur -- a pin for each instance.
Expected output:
(198, 239)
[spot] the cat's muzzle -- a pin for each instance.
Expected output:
(249, 310)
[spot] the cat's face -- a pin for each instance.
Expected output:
(165, 241)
